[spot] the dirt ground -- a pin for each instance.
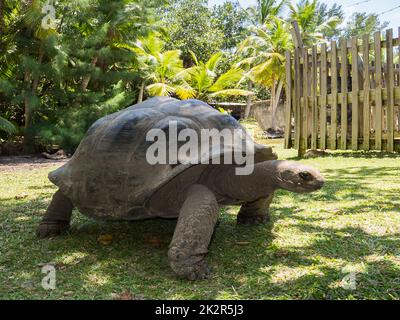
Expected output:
(13, 163)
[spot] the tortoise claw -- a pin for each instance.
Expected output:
(252, 220)
(51, 228)
(199, 271)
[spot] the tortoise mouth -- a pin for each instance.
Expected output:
(314, 185)
(302, 187)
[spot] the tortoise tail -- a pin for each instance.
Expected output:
(57, 175)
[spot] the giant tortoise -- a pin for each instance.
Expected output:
(109, 177)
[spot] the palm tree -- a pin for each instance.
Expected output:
(8, 59)
(264, 53)
(7, 126)
(202, 82)
(24, 42)
(259, 15)
(264, 9)
(164, 75)
(159, 68)
(314, 21)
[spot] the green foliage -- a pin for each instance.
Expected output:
(159, 67)
(333, 16)
(165, 75)
(265, 9)
(65, 78)
(264, 51)
(67, 127)
(7, 126)
(316, 21)
(103, 55)
(361, 23)
(264, 56)
(232, 20)
(202, 81)
(192, 27)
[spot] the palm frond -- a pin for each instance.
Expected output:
(7, 126)
(227, 80)
(231, 92)
(160, 89)
(185, 92)
(200, 79)
(212, 63)
(193, 55)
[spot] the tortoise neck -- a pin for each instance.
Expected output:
(260, 183)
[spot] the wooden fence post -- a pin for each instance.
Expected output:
(314, 106)
(389, 86)
(334, 92)
(378, 91)
(288, 105)
(343, 111)
(305, 99)
(354, 90)
(297, 101)
(366, 88)
(374, 97)
(323, 94)
(298, 128)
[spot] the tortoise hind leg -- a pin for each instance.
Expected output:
(193, 232)
(256, 212)
(57, 217)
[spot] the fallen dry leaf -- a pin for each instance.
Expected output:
(127, 296)
(21, 196)
(105, 239)
(153, 241)
(242, 243)
(124, 296)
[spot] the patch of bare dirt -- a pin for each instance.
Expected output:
(13, 163)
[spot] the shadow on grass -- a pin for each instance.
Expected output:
(377, 278)
(358, 184)
(355, 154)
(241, 257)
(47, 186)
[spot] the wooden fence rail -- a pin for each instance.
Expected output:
(344, 95)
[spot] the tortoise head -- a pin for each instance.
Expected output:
(297, 177)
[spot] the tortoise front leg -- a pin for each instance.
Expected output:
(256, 212)
(193, 232)
(57, 217)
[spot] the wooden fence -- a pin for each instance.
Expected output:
(344, 95)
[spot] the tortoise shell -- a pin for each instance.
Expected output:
(109, 175)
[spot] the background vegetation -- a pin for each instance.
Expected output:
(99, 56)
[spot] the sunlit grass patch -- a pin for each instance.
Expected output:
(312, 243)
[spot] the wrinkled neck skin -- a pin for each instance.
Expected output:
(259, 184)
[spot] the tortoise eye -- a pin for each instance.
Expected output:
(305, 175)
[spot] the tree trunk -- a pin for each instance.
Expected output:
(86, 79)
(141, 92)
(36, 78)
(28, 138)
(272, 104)
(248, 105)
(1, 17)
(31, 88)
(275, 102)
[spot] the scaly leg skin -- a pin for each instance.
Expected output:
(57, 217)
(256, 212)
(193, 232)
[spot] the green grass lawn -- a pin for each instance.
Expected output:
(313, 241)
